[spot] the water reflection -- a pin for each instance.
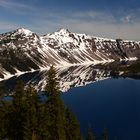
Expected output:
(68, 77)
(74, 76)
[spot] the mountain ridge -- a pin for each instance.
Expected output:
(23, 50)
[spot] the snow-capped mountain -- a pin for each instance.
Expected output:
(22, 50)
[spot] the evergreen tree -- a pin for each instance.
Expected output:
(4, 120)
(72, 126)
(42, 129)
(90, 135)
(19, 95)
(5, 107)
(28, 118)
(52, 87)
(55, 108)
(104, 135)
(18, 113)
(55, 118)
(31, 120)
(1, 92)
(61, 123)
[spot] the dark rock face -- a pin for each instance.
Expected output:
(23, 50)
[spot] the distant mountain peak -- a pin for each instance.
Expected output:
(62, 30)
(24, 31)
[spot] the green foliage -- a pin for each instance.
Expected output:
(32, 105)
(4, 120)
(55, 109)
(52, 88)
(72, 126)
(90, 135)
(28, 118)
(18, 113)
(19, 95)
(1, 91)
(55, 118)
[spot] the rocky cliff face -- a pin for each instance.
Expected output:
(22, 50)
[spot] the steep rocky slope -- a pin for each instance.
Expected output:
(22, 50)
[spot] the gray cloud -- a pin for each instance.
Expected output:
(16, 7)
(93, 22)
(99, 24)
(124, 31)
(8, 26)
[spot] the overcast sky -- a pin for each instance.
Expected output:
(104, 18)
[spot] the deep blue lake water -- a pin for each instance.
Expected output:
(112, 103)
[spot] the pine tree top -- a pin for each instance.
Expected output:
(52, 87)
